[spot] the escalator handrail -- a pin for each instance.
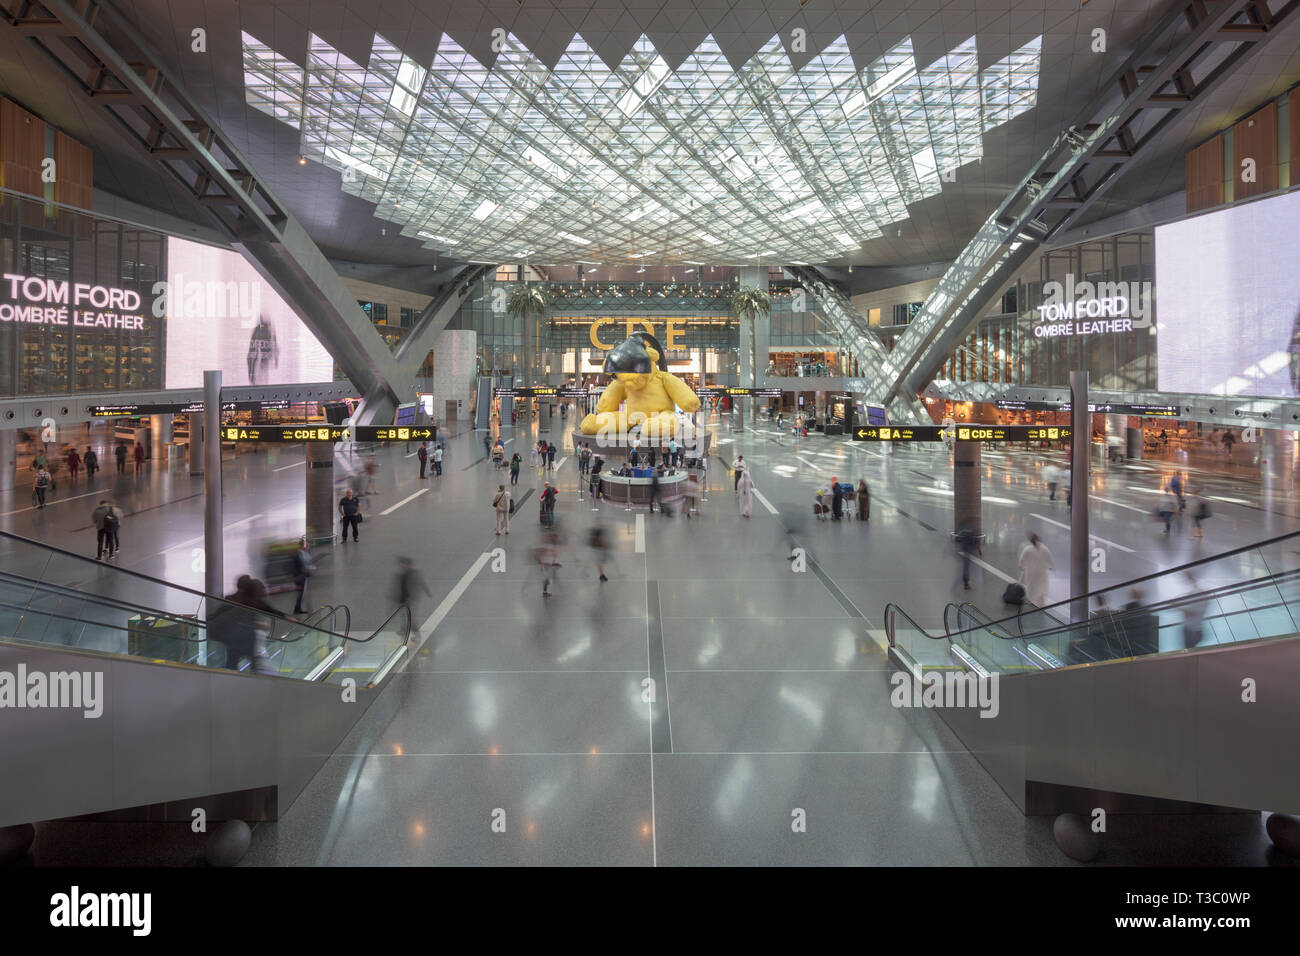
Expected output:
(1159, 574)
(195, 622)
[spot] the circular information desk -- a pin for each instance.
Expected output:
(636, 491)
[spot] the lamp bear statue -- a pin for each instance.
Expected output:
(645, 388)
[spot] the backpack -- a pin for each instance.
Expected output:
(110, 521)
(42, 481)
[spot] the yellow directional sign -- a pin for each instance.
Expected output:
(326, 433)
(996, 433)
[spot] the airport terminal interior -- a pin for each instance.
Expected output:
(678, 433)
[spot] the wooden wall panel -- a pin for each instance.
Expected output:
(1255, 138)
(22, 147)
(1205, 175)
(1294, 107)
(74, 164)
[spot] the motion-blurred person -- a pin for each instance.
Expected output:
(599, 547)
(372, 469)
(547, 556)
(437, 460)
(105, 520)
(139, 459)
(303, 568)
(1193, 614)
(350, 511)
(38, 462)
(409, 586)
(656, 490)
(968, 544)
(692, 491)
(120, 453)
(864, 500)
(41, 484)
(1176, 486)
(243, 625)
(515, 463)
(1067, 476)
(1035, 561)
(547, 505)
(74, 464)
(501, 505)
(91, 461)
(422, 453)
(1200, 511)
(1167, 509)
(594, 486)
(1228, 440)
(487, 446)
(534, 451)
(745, 489)
(550, 456)
(837, 499)
(738, 467)
(1051, 475)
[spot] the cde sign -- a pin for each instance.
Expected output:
(1088, 308)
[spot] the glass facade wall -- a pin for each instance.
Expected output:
(42, 241)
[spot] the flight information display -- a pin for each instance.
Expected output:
(737, 391)
(177, 408)
(526, 391)
(963, 433)
(312, 432)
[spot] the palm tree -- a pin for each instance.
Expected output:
(528, 303)
(751, 303)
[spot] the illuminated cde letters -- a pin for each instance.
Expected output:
(671, 331)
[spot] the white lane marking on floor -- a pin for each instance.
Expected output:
(810, 464)
(988, 567)
(392, 508)
(1231, 501)
(50, 502)
(1118, 504)
(766, 504)
(193, 541)
(287, 467)
(560, 463)
(443, 609)
(640, 534)
(1091, 537)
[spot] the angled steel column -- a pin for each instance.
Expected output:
(1081, 444)
(103, 56)
(213, 527)
(1085, 161)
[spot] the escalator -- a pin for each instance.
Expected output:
(178, 723)
(1178, 686)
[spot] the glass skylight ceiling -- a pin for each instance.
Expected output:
(644, 163)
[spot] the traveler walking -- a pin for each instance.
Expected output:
(837, 499)
(864, 500)
(1168, 508)
(422, 453)
(599, 546)
(120, 453)
(1176, 486)
(745, 489)
(41, 485)
(1035, 561)
(408, 587)
(515, 463)
(533, 449)
(547, 557)
(692, 494)
(74, 464)
(501, 505)
(968, 545)
(487, 446)
(350, 509)
(39, 461)
(1051, 475)
(498, 455)
(105, 520)
(372, 469)
(673, 450)
(594, 487)
(738, 467)
(437, 460)
(1200, 511)
(139, 459)
(548, 506)
(91, 461)
(550, 456)
(243, 625)
(303, 568)
(1228, 439)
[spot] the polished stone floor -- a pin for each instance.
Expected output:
(529, 715)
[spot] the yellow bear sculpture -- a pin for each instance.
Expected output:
(650, 391)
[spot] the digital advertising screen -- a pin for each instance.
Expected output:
(1228, 297)
(222, 315)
